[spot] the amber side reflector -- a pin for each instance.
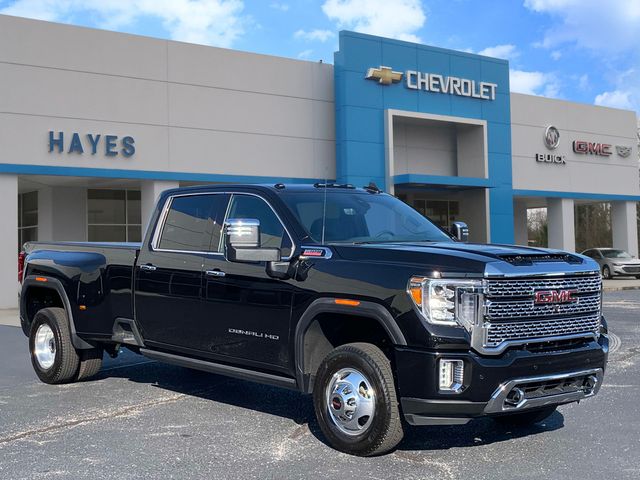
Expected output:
(415, 290)
(82, 307)
(41, 279)
(346, 301)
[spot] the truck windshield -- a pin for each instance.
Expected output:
(352, 217)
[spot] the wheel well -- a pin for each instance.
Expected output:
(329, 330)
(38, 298)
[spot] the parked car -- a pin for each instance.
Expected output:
(346, 294)
(614, 262)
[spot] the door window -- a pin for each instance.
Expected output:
(191, 225)
(272, 233)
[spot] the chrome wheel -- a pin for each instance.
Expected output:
(351, 401)
(45, 346)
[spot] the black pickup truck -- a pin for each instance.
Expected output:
(344, 293)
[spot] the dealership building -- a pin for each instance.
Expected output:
(95, 124)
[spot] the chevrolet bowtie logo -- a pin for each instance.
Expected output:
(384, 75)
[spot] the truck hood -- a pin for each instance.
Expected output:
(470, 259)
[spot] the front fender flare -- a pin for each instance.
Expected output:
(328, 305)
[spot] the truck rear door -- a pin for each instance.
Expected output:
(168, 288)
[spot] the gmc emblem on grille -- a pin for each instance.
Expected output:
(555, 296)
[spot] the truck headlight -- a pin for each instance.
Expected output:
(446, 301)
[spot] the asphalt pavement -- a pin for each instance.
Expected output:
(143, 419)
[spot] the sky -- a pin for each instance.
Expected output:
(581, 50)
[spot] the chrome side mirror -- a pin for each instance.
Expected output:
(242, 242)
(460, 231)
(243, 232)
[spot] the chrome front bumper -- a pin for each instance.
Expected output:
(534, 392)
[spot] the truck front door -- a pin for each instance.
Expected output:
(246, 312)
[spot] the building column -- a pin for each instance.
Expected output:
(149, 193)
(560, 221)
(9, 241)
(624, 225)
(520, 224)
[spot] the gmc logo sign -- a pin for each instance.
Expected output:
(555, 296)
(591, 148)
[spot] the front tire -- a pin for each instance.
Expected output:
(606, 273)
(525, 419)
(53, 357)
(355, 400)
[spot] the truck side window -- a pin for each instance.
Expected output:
(272, 233)
(190, 223)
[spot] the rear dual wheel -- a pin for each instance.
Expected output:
(53, 356)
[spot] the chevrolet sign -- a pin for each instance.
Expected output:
(432, 82)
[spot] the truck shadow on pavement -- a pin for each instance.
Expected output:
(298, 408)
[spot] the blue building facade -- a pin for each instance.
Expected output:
(374, 75)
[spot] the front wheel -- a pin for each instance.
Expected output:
(606, 272)
(355, 400)
(524, 419)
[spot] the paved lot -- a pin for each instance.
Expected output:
(142, 419)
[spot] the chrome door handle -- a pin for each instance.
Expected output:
(215, 273)
(148, 267)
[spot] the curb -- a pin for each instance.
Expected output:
(618, 289)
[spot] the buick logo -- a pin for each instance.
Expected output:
(549, 297)
(551, 137)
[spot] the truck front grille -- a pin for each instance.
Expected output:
(512, 316)
(498, 333)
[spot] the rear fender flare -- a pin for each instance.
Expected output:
(52, 284)
(371, 310)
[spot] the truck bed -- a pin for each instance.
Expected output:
(96, 276)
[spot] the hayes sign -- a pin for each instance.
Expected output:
(110, 145)
(432, 82)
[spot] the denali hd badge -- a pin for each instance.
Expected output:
(546, 297)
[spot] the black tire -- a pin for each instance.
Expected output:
(524, 419)
(65, 358)
(638, 277)
(385, 429)
(606, 273)
(90, 363)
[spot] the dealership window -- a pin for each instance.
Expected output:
(441, 212)
(114, 216)
(27, 218)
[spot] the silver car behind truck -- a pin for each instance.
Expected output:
(614, 262)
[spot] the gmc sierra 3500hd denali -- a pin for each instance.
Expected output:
(345, 293)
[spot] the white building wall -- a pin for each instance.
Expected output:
(594, 174)
(190, 109)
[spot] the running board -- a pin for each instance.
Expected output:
(221, 369)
